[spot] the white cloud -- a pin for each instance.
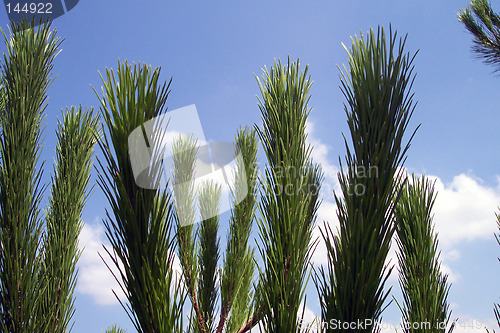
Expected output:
(319, 155)
(309, 319)
(392, 261)
(452, 276)
(94, 277)
(327, 211)
(386, 327)
(327, 214)
(450, 255)
(464, 210)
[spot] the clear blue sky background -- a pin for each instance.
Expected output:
(213, 49)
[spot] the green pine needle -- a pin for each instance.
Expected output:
(484, 25)
(115, 329)
(238, 268)
(378, 110)
(209, 251)
(77, 136)
(425, 288)
(289, 197)
(140, 222)
(26, 74)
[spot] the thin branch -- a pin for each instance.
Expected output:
(252, 322)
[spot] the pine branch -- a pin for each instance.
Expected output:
(484, 24)
(208, 256)
(185, 151)
(140, 223)
(378, 110)
(289, 197)
(26, 71)
(76, 136)
(238, 266)
(250, 323)
(425, 288)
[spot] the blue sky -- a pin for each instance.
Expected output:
(213, 49)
